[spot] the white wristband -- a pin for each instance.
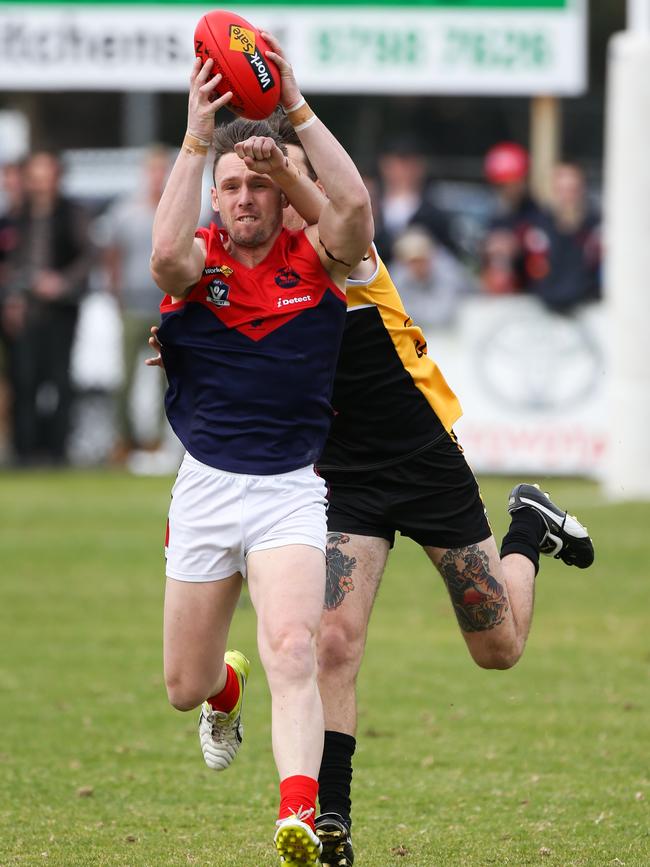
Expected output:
(307, 123)
(299, 104)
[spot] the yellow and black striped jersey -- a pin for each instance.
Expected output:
(390, 399)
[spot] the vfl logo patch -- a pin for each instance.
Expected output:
(287, 278)
(261, 70)
(242, 39)
(218, 293)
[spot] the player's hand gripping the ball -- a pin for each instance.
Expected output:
(262, 155)
(290, 94)
(202, 106)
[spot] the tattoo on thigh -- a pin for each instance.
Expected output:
(339, 571)
(478, 598)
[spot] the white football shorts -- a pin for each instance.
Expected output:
(216, 519)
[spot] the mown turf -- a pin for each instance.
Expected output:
(546, 764)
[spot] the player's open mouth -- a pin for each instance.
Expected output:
(248, 218)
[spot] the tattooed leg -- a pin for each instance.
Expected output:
(354, 568)
(340, 566)
(478, 599)
(492, 599)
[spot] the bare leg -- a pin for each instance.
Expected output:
(492, 599)
(196, 623)
(287, 587)
(355, 565)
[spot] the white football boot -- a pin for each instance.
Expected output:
(221, 733)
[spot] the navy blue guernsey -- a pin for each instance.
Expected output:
(250, 355)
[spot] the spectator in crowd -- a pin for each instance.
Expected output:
(405, 198)
(11, 199)
(432, 282)
(125, 232)
(47, 271)
(562, 249)
(506, 169)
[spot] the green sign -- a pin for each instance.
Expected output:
(492, 47)
(420, 4)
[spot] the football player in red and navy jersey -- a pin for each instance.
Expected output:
(251, 324)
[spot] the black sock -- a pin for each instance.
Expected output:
(335, 776)
(527, 529)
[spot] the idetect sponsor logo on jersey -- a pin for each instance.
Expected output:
(291, 302)
(287, 278)
(218, 292)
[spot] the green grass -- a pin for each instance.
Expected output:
(546, 764)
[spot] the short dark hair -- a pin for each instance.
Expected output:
(227, 136)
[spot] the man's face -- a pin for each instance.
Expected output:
(249, 204)
(568, 189)
(156, 170)
(404, 172)
(42, 175)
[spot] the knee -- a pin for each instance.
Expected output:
(339, 649)
(183, 693)
(290, 654)
(497, 656)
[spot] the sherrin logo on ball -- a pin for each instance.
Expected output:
(238, 52)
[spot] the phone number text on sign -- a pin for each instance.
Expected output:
(497, 49)
(358, 46)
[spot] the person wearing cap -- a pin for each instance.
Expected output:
(432, 282)
(506, 169)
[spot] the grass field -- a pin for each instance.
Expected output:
(546, 764)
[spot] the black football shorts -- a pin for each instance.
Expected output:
(431, 496)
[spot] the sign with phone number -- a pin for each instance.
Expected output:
(514, 47)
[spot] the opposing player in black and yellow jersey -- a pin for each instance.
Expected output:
(393, 464)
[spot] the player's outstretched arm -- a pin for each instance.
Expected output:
(345, 226)
(261, 154)
(177, 257)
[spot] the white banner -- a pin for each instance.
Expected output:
(341, 49)
(531, 384)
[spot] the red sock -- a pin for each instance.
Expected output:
(298, 796)
(229, 695)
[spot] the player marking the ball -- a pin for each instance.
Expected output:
(248, 396)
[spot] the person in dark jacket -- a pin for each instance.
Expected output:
(404, 198)
(562, 245)
(46, 280)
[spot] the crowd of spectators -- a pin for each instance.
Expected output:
(52, 253)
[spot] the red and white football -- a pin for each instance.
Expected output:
(239, 54)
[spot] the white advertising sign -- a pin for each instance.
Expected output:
(531, 384)
(429, 47)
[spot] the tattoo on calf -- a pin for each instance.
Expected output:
(478, 598)
(339, 571)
